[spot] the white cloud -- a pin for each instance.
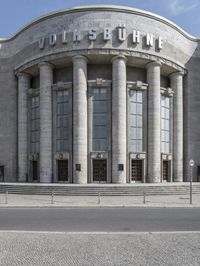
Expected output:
(178, 7)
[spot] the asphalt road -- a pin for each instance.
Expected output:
(101, 219)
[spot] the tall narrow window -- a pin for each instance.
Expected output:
(35, 124)
(165, 124)
(99, 119)
(136, 120)
(62, 121)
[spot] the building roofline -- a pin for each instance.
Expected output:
(116, 8)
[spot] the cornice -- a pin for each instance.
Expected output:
(86, 52)
(115, 8)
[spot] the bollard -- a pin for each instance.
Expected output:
(6, 197)
(52, 195)
(98, 197)
(144, 198)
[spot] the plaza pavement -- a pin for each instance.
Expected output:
(63, 249)
(18, 200)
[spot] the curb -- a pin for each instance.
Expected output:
(5, 206)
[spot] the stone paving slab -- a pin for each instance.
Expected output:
(144, 249)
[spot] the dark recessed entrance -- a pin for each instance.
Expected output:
(35, 171)
(99, 170)
(62, 170)
(198, 173)
(136, 171)
(165, 171)
(1, 173)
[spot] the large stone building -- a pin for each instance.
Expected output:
(99, 94)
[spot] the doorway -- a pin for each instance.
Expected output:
(62, 166)
(136, 171)
(2, 173)
(198, 173)
(35, 171)
(165, 172)
(99, 170)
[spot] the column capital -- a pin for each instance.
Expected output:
(80, 57)
(152, 64)
(44, 63)
(23, 74)
(117, 57)
(176, 74)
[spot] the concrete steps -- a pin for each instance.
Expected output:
(94, 190)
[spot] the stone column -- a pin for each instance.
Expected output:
(177, 86)
(23, 87)
(119, 93)
(46, 81)
(154, 155)
(80, 143)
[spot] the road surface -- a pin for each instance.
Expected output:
(100, 219)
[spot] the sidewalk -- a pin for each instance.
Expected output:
(47, 201)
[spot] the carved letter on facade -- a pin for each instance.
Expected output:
(76, 36)
(52, 39)
(149, 39)
(160, 43)
(122, 33)
(64, 36)
(107, 34)
(92, 35)
(41, 43)
(136, 36)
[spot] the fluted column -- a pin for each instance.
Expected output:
(80, 159)
(119, 119)
(23, 87)
(177, 86)
(46, 81)
(154, 155)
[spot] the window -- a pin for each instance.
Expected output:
(165, 124)
(136, 120)
(99, 119)
(62, 121)
(35, 124)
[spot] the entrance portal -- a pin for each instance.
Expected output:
(1, 173)
(35, 171)
(198, 173)
(62, 170)
(165, 171)
(99, 170)
(136, 171)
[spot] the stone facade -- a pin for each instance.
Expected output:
(99, 94)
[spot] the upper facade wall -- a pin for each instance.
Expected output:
(177, 46)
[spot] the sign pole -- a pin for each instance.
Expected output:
(191, 164)
(190, 184)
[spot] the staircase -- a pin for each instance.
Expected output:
(103, 189)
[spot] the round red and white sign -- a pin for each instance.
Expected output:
(191, 163)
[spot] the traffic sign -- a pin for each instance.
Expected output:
(191, 163)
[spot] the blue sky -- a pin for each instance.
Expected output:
(14, 14)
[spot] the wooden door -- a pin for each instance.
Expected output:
(136, 171)
(62, 170)
(99, 170)
(165, 171)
